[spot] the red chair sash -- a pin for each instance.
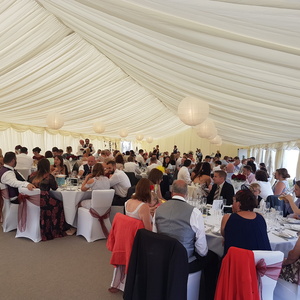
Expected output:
(271, 271)
(4, 194)
(101, 219)
(22, 211)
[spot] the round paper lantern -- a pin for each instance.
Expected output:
(139, 137)
(98, 127)
(214, 134)
(206, 129)
(149, 139)
(55, 120)
(216, 140)
(123, 132)
(192, 111)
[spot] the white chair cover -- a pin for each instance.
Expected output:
(286, 291)
(32, 228)
(24, 172)
(9, 211)
(271, 265)
(89, 226)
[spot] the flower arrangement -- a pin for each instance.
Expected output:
(151, 187)
(238, 177)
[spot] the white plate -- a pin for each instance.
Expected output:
(216, 231)
(292, 221)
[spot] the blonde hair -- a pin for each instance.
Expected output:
(254, 186)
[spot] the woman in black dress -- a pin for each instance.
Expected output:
(52, 220)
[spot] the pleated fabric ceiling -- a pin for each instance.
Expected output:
(130, 63)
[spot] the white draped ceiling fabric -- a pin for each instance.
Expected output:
(130, 63)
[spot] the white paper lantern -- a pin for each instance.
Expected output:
(192, 111)
(139, 136)
(206, 129)
(216, 140)
(149, 139)
(214, 134)
(98, 126)
(55, 120)
(123, 132)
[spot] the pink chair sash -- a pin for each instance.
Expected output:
(271, 271)
(4, 194)
(101, 219)
(22, 211)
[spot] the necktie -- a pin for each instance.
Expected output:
(90, 169)
(216, 195)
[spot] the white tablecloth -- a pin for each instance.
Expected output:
(214, 241)
(70, 200)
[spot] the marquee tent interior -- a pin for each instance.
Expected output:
(130, 63)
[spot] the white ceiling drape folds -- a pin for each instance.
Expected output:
(130, 63)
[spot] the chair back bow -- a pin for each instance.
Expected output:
(22, 211)
(101, 219)
(271, 271)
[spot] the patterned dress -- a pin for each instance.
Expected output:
(52, 221)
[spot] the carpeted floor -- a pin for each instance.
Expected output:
(64, 268)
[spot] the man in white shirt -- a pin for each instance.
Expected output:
(80, 148)
(139, 158)
(87, 168)
(23, 160)
(131, 166)
(119, 181)
(10, 177)
(184, 173)
(153, 164)
(88, 145)
(237, 165)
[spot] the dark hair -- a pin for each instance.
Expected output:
(247, 200)
(48, 154)
(252, 165)
(262, 165)
(283, 172)
(187, 163)
(119, 159)
(61, 164)
(261, 175)
(43, 168)
(111, 162)
(165, 164)
(298, 183)
(218, 162)
(129, 159)
(205, 169)
(143, 191)
(155, 175)
(55, 149)
(23, 150)
(36, 149)
(8, 157)
(247, 167)
(98, 170)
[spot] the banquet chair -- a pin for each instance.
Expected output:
(132, 178)
(286, 290)
(24, 172)
(94, 223)
(271, 262)
(9, 211)
(29, 215)
(158, 269)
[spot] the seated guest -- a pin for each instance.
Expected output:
(230, 171)
(217, 165)
(291, 265)
(255, 189)
(10, 177)
(220, 188)
(49, 156)
(281, 185)
(237, 164)
(120, 161)
(265, 186)
(252, 165)
(156, 177)
(139, 158)
(153, 164)
(183, 173)
(36, 154)
(244, 228)
(59, 168)
(24, 161)
(247, 171)
(88, 147)
(94, 181)
(52, 220)
(196, 170)
(131, 166)
(293, 207)
(119, 181)
(203, 178)
(69, 154)
(136, 208)
(86, 169)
